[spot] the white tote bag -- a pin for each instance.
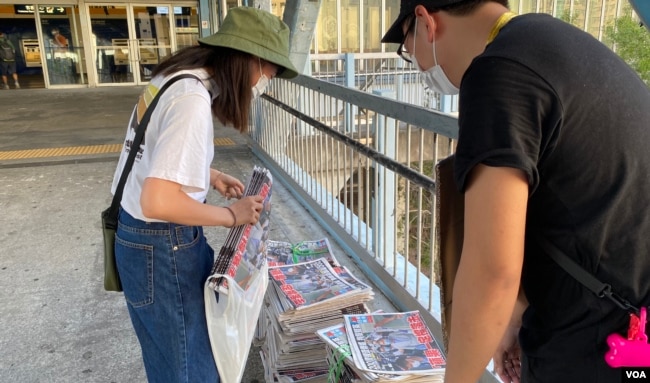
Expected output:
(232, 322)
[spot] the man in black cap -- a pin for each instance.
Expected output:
(552, 149)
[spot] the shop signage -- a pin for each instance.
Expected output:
(22, 9)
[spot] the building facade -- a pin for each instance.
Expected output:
(79, 43)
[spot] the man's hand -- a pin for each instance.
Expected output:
(507, 358)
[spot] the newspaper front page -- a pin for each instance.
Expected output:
(244, 250)
(394, 343)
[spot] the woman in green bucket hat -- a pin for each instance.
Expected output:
(162, 256)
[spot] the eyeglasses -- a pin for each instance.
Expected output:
(401, 51)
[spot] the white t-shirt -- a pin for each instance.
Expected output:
(178, 145)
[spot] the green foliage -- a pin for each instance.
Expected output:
(419, 238)
(631, 41)
(567, 17)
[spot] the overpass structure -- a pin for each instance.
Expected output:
(359, 162)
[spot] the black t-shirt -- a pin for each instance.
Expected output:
(554, 102)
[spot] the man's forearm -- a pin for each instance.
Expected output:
(520, 306)
(482, 310)
(489, 273)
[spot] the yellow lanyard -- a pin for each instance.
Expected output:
(501, 22)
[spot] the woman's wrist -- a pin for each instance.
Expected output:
(232, 213)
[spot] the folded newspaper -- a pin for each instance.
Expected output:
(243, 252)
(311, 285)
(394, 343)
(344, 370)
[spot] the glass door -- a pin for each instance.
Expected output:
(186, 26)
(62, 48)
(128, 41)
(152, 42)
(109, 29)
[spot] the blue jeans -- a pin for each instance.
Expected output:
(163, 267)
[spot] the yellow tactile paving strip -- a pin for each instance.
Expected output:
(78, 150)
(223, 142)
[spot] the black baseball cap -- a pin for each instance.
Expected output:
(406, 8)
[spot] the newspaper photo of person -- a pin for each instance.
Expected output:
(306, 283)
(394, 343)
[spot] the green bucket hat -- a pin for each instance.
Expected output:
(257, 32)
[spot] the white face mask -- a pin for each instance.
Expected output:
(434, 77)
(261, 85)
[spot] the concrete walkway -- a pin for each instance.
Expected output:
(57, 324)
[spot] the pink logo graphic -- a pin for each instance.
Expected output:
(633, 352)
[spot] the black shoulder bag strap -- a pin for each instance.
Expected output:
(139, 135)
(602, 290)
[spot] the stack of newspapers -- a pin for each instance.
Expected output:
(242, 254)
(383, 347)
(280, 253)
(303, 297)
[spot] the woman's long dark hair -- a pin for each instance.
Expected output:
(229, 68)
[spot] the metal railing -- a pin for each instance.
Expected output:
(368, 177)
(364, 165)
(380, 71)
